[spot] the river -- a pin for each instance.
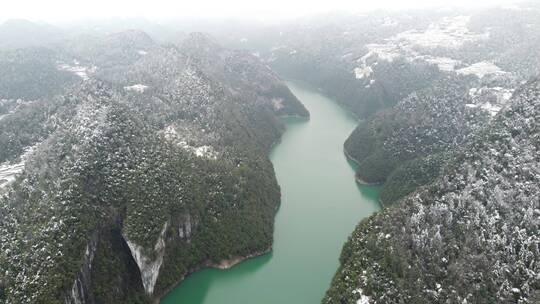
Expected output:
(321, 204)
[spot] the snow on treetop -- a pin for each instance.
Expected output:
(139, 88)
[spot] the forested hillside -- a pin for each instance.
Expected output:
(472, 236)
(127, 164)
(147, 168)
(406, 146)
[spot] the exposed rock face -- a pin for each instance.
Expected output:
(80, 293)
(185, 228)
(148, 266)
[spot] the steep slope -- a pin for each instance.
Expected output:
(406, 146)
(243, 72)
(472, 236)
(146, 171)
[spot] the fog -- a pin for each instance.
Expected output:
(268, 11)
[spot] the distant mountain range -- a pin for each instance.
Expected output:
(18, 33)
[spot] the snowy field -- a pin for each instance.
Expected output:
(9, 171)
(76, 69)
(450, 33)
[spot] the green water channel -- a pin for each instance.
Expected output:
(321, 204)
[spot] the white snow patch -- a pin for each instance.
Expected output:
(363, 298)
(490, 99)
(9, 171)
(444, 64)
(77, 69)
(141, 52)
(139, 88)
(243, 40)
(389, 22)
(512, 7)
(481, 69)
(277, 48)
(492, 109)
(172, 134)
(203, 151)
(387, 52)
(363, 72)
(277, 103)
(449, 32)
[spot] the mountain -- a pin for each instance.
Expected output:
(147, 169)
(471, 236)
(422, 82)
(31, 73)
(20, 33)
(370, 62)
(255, 76)
(406, 146)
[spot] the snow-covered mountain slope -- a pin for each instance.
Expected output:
(397, 72)
(371, 61)
(148, 168)
(405, 147)
(472, 236)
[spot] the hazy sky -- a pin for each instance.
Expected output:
(63, 10)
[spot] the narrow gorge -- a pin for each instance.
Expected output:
(320, 205)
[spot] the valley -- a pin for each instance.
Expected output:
(146, 161)
(320, 205)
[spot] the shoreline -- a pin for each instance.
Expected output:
(278, 140)
(356, 177)
(229, 263)
(233, 261)
(363, 182)
(294, 116)
(221, 265)
(349, 157)
(381, 202)
(323, 92)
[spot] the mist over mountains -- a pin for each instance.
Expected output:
(134, 153)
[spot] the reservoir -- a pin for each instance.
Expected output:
(321, 204)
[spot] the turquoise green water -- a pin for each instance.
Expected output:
(321, 204)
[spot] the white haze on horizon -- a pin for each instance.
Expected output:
(268, 11)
